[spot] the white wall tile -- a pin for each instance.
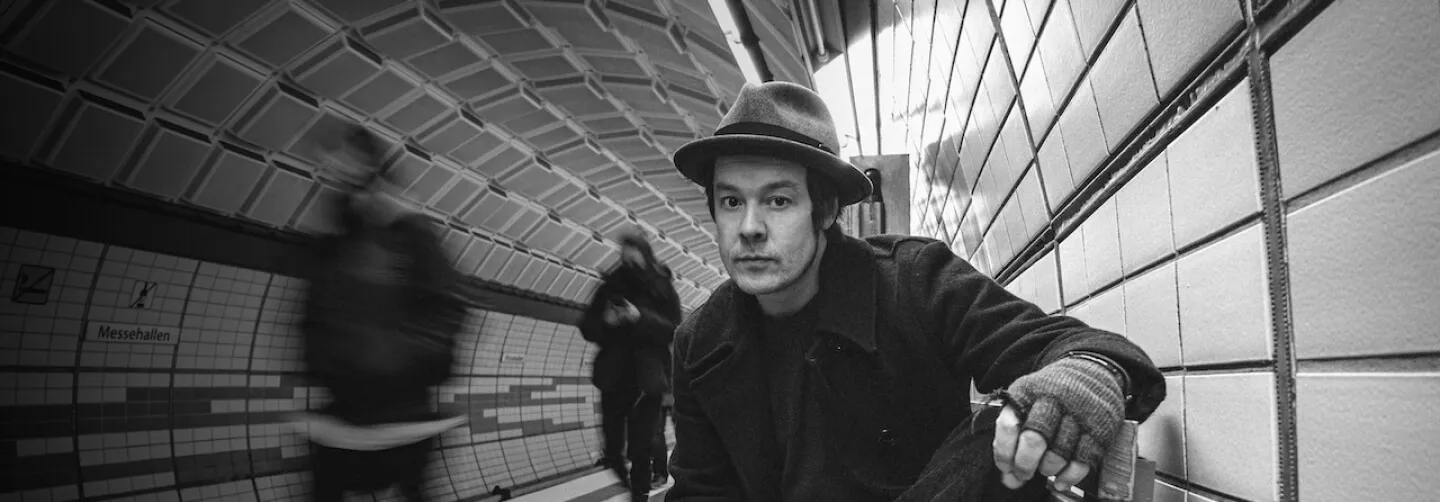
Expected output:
(1223, 301)
(1368, 436)
(1213, 173)
(1363, 267)
(1230, 433)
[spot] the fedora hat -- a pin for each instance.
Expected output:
(782, 120)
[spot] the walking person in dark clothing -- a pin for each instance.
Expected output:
(632, 318)
(838, 369)
(659, 450)
(379, 325)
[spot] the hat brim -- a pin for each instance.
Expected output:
(696, 161)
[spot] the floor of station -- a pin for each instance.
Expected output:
(601, 486)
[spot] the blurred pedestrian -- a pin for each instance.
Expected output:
(632, 318)
(379, 324)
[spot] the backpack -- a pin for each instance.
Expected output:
(382, 305)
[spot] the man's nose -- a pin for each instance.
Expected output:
(752, 225)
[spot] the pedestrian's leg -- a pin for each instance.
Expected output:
(641, 433)
(615, 407)
(963, 468)
(326, 474)
(660, 471)
(411, 462)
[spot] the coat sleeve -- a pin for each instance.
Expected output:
(592, 322)
(657, 322)
(701, 466)
(993, 337)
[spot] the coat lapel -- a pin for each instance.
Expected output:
(735, 396)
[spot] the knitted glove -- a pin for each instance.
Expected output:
(1076, 404)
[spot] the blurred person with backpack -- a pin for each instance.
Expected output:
(379, 325)
(632, 317)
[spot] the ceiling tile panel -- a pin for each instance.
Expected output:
(457, 196)
(547, 276)
(562, 281)
(69, 36)
(723, 67)
(641, 95)
(481, 82)
(424, 189)
(560, 194)
(317, 216)
(559, 134)
(100, 138)
(579, 24)
(445, 60)
(304, 147)
(658, 42)
(407, 33)
(421, 110)
(548, 234)
(379, 92)
(513, 270)
(668, 122)
(531, 180)
(686, 77)
(215, 17)
(578, 156)
(531, 123)
(480, 18)
(149, 61)
(516, 41)
(545, 67)
(280, 39)
(578, 100)
(602, 125)
(490, 268)
(217, 92)
(277, 118)
(616, 65)
(604, 174)
(697, 17)
(29, 109)
(482, 206)
(625, 190)
(474, 255)
(280, 198)
(525, 219)
(501, 161)
(450, 133)
(337, 69)
(356, 10)
(631, 145)
(169, 164)
(506, 106)
(230, 181)
(476, 148)
(583, 209)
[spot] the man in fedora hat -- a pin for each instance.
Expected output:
(832, 368)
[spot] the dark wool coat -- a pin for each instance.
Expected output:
(633, 354)
(902, 329)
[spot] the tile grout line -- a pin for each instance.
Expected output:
(1276, 257)
(79, 353)
(249, 366)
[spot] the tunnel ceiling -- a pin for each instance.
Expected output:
(534, 128)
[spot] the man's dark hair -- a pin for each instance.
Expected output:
(824, 202)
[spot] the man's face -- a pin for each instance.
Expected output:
(762, 211)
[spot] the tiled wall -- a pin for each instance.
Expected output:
(200, 417)
(1107, 160)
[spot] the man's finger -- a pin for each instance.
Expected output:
(1027, 455)
(1072, 474)
(1007, 434)
(1051, 464)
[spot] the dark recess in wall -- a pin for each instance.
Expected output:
(58, 204)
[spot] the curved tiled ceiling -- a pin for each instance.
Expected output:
(534, 129)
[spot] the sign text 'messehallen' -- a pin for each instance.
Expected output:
(122, 332)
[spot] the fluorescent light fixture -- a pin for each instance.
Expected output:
(721, 8)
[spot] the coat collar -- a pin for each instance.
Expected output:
(728, 375)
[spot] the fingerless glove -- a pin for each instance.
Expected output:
(1076, 404)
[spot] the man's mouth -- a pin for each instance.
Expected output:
(749, 260)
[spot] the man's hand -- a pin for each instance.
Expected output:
(1058, 421)
(1019, 454)
(622, 312)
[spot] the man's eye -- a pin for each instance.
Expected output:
(780, 201)
(729, 202)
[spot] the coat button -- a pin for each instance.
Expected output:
(888, 438)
